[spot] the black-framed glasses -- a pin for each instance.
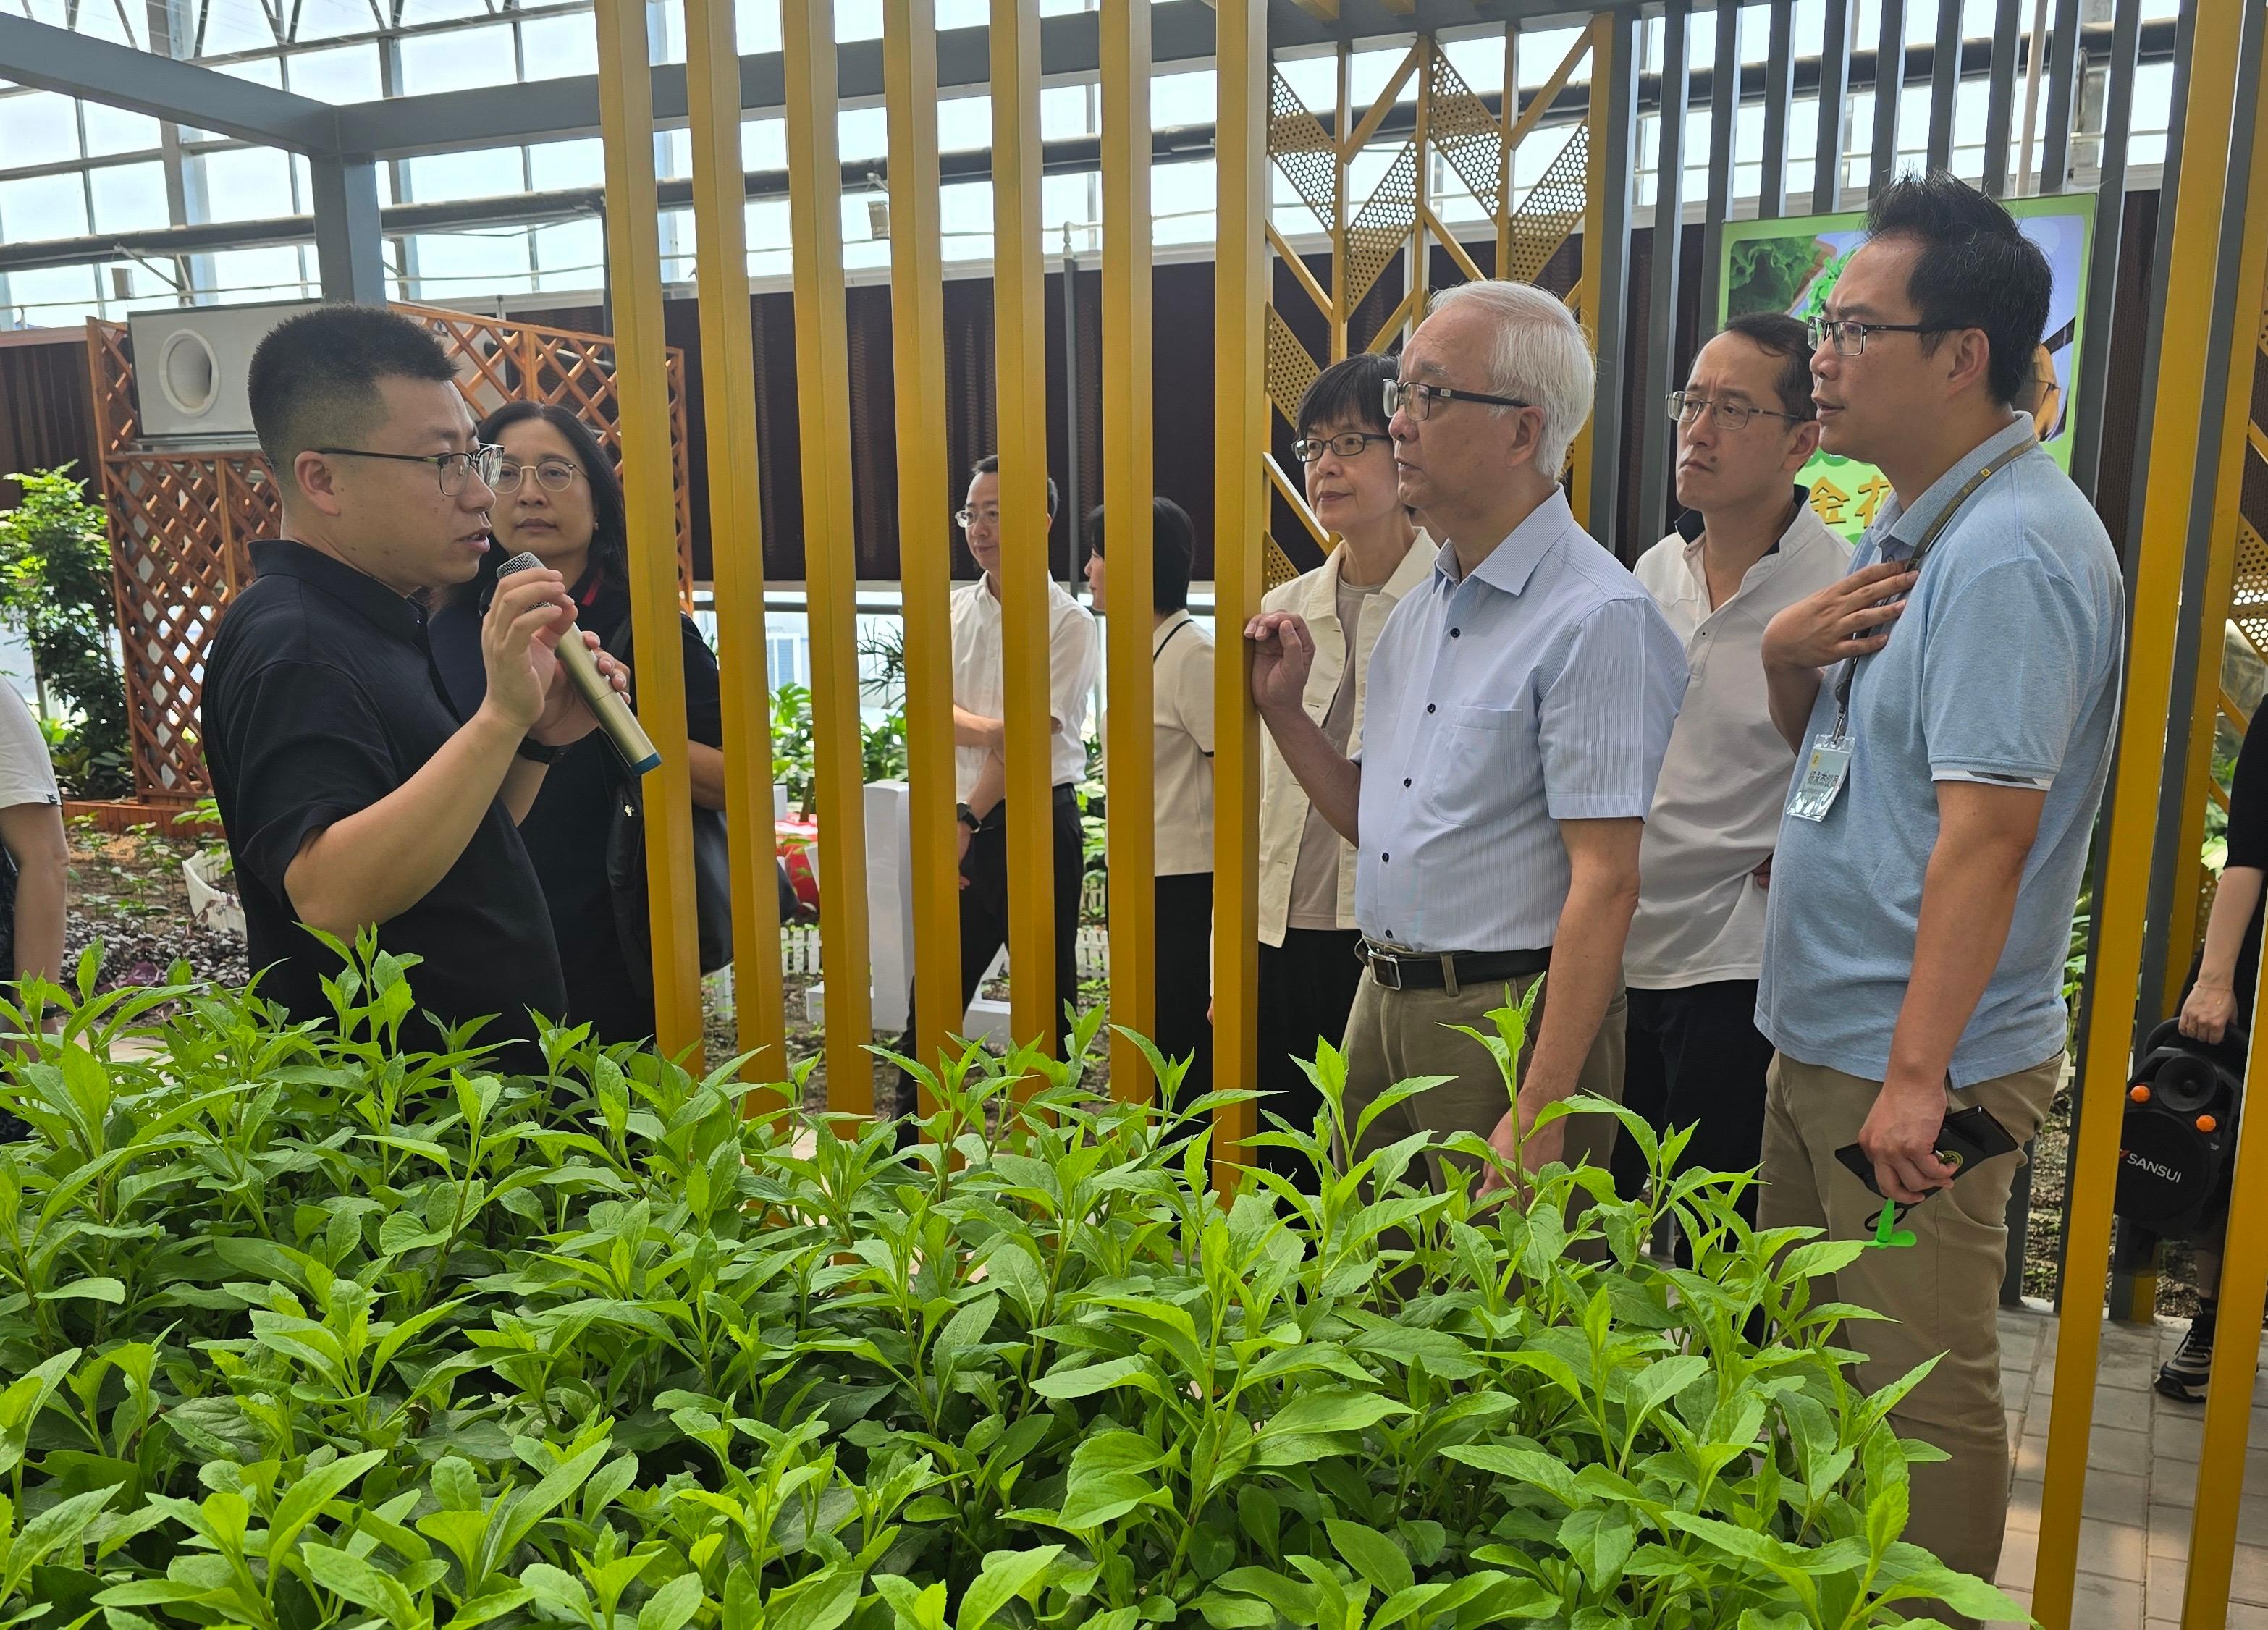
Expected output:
(451, 467)
(1687, 409)
(1850, 334)
(1420, 398)
(551, 475)
(1346, 445)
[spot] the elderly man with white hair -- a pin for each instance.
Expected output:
(1521, 701)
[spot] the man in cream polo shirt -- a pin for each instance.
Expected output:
(1748, 547)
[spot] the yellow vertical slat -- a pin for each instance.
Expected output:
(736, 538)
(2175, 446)
(642, 388)
(1587, 288)
(1239, 524)
(822, 378)
(2245, 1254)
(1020, 384)
(1508, 114)
(1127, 479)
(924, 499)
(1421, 261)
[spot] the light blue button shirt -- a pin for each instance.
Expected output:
(1540, 689)
(2004, 668)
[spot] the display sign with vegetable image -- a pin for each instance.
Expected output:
(1792, 265)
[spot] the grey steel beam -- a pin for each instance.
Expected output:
(1834, 109)
(348, 228)
(143, 82)
(2000, 99)
(1779, 96)
(1884, 159)
(1944, 80)
(2063, 90)
(2110, 225)
(1724, 109)
(1612, 250)
(1652, 520)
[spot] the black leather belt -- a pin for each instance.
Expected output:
(1416, 970)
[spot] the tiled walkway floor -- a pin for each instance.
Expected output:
(2141, 1482)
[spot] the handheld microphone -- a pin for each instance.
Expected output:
(607, 704)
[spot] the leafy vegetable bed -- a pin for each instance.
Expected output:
(298, 1331)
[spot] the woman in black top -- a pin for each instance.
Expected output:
(559, 498)
(2220, 994)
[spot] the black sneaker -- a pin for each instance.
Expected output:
(2184, 1375)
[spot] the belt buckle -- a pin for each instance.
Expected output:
(1385, 967)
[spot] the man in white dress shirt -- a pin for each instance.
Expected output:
(980, 737)
(1748, 547)
(1520, 700)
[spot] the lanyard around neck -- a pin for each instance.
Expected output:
(1993, 466)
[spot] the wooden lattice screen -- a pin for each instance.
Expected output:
(181, 522)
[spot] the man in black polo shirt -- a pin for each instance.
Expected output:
(352, 794)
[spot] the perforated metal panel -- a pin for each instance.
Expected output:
(1276, 568)
(2247, 600)
(1467, 134)
(1303, 150)
(1552, 209)
(1291, 368)
(1379, 232)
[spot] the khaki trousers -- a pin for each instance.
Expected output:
(1392, 1035)
(1943, 1291)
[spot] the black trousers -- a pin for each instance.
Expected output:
(1307, 989)
(1697, 1059)
(985, 915)
(1184, 975)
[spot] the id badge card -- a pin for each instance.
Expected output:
(1816, 792)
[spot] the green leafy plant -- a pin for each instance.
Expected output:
(302, 1329)
(795, 760)
(885, 748)
(55, 587)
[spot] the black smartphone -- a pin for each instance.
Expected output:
(1968, 1137)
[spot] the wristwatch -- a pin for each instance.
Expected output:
(535, 752)
(967, 816)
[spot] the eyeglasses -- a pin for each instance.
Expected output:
(966, 518)
(1420, 398)
(1348, 444)
(1850, 334)
(451, 467)
(1686, 410)
(553, 475)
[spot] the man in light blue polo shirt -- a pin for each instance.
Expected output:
(1952, 749)
(1521, 701)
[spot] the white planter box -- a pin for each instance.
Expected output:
(212, 904)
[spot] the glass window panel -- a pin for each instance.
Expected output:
(232, 26)
(54, 295)
(245, 276)
(54, 14)
(673, 153)
(559, 47)
(1479, 61)
(756, 24)
(303, 183)
(858, 19)
(1066, 200)
(268, 70)
(964, 123)
(1369, 70)
(962, 14)
(767, 223)
(763, 145)
(863, 133)
(1315, 80)
(347, 73)
(965, 213)
(330, 19)
(129, 197)
(463, 59)
(1064, 112)
(246, 184)
(142, 282)
(665, 31)
(472, 265)
(572, 254)
(104, 22)
(1182, 99)
(441, 10)
(1183, 200)
(36, 128)
(42, 206)
(490, 172)
(114, 130)
(580, 163)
